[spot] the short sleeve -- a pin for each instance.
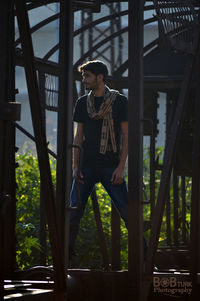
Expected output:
(78, 115)
(122, 108)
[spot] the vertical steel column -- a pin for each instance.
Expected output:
(195, 207)
(9, 171)
(7, 144)
(82, 45)
(152, 170)
(168, 219)
(183, 216)
(115, 218)
(41, 145)
(112, 42)
(90, 33)
(1, 252)
(135, 220)
(65, 123)
(169, 159)
(176, 205)
(120, 39)
(43, 230)
(115, 240)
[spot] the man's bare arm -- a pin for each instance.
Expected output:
(118, 175)
(78, 140)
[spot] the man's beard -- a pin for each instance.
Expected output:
(92, 87)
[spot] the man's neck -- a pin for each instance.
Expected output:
(99, 92)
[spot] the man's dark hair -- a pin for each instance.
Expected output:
(96, 67)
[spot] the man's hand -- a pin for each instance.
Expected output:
(117, 176)
(78, 176)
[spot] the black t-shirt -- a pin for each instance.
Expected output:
(92, 131)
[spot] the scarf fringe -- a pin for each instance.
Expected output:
(105, 113)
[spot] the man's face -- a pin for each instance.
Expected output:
(90, 80)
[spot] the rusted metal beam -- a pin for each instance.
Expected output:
(8, 112)
(47, 67)
(175, 206)
(195, 199)
(116, 247)
(135, 223)
(43, 222)
(43, 231)
(168, 219)
(65, 123)
(1, 250)
(164, 83)
(41, 145)
(183, 215)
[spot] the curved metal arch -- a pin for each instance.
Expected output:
(149, 46)
(56, 47)
(40, 25)
(99, 21)
(114, 35)
(78, 31)
(123, 67)
(85, 27)
(39, 3)
(150, 20)
(50, 52)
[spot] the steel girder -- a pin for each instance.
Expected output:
(9, 112)
(135, 219)
(41, 145)
(171, 147)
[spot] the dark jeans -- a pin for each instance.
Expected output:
(91, 176)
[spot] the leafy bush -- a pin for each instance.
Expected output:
(28, 220)
(89, 255)
(28, 211)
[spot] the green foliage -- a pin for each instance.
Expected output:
(28, 200)
(89, 255)
(28, 210)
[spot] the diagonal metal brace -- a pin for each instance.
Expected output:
(41, 145)
(169, 158)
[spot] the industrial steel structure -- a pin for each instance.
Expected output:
(170, 64)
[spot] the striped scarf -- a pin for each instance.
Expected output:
(105, 113)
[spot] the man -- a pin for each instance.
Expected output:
(102, 131)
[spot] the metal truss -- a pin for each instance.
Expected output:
(110, 52)
(104, 41)
(175, 19)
